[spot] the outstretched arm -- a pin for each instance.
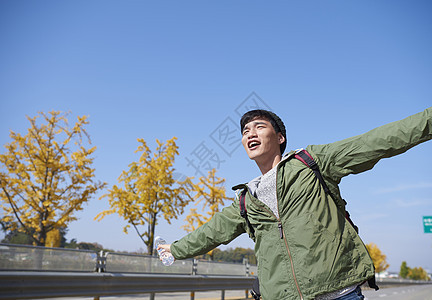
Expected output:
(221, 229)
(360, 153)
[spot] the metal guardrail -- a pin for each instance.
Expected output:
(24, 257)
(384, 282)
(33, 258)
(30, 272)
(33, 285)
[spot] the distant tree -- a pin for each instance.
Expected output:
(73, 244)
(418, 273)
(149, 191)
(90, 246)
(378, 258)
(44, 179)
(404, 270)
(209, 192)
(236, 255)
(17, 237)
(54, 239)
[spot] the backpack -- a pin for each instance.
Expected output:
(303, 156)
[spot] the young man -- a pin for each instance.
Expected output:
(305, 246)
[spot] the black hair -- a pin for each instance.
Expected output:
(274, 120)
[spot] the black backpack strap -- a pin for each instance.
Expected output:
(242, 202)
(255, 292)
(243, 211)
(307, 159)
(348, 217)
(372, 283)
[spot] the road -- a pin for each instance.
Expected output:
(409, 292)
(210, 295)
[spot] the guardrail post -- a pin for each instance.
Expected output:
(101, 262)
(195, 266)
(223, 295)
(247, 271)
(194, 272)
(247, 266)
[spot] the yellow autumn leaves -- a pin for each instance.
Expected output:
(210, 192)
(148, 191)
(46, 176)
(378, 258)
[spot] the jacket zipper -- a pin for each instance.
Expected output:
(280, 230)
(282, 236)
(291, 260)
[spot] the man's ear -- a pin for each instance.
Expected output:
(281, 138)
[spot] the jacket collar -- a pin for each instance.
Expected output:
(253, 184)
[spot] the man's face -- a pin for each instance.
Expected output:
(261, 141)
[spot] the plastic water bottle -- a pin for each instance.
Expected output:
(166, 257)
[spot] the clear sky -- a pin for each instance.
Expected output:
(158, 69)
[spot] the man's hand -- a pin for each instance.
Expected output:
(166, 247)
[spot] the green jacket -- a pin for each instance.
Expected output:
(312, 249)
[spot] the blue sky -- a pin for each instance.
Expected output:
(158, 69)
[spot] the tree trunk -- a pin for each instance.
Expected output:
(152, 227)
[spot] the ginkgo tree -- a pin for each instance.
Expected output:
(417, 273)
(210, 193)
(149, 191)
(46, 176)
(378, 258)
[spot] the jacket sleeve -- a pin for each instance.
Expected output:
(360, 153)
(222, 228)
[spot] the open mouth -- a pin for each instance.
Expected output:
(253, 145)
